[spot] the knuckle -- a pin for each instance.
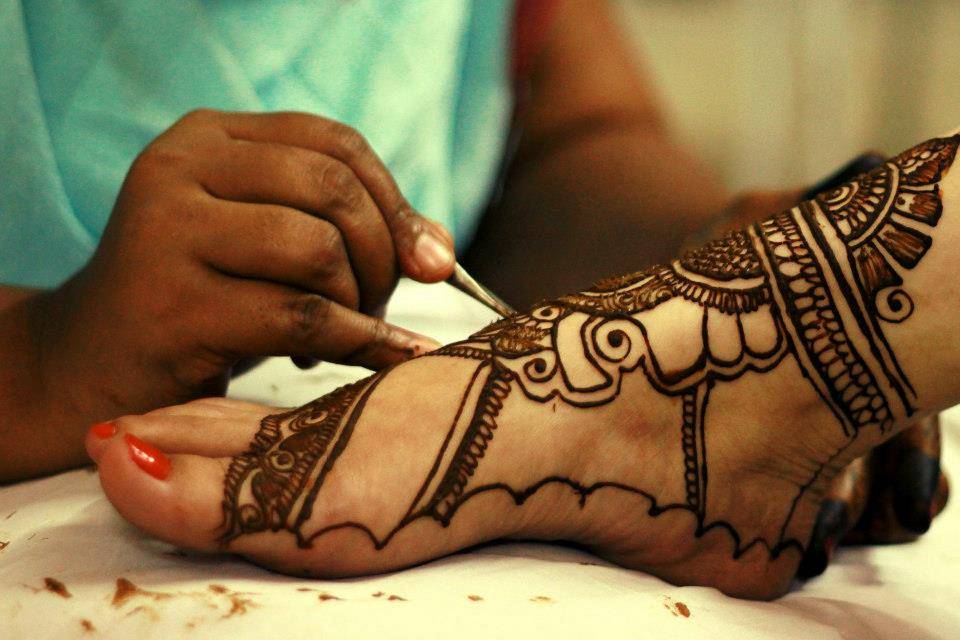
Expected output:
(297, 119)
(325, 250)
(404, 215)
(351, 197)
(351, 142)
(157, 158)
(379, 332)
(335, 178)
(199, 116)
(308, 315)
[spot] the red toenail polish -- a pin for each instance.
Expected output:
(104, 430)
(148, 457)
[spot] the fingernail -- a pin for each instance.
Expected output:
(432, 254)
(916, 484)
(814, 562)
(304, 362)
(831, 521)
(414, 344)
(421, 346)
(148, 457)
(104, 430)
(442, 231)
(915, 518)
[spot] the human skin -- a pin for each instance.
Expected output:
(58, 377)
(592, 124)
(234, 236)
(772, 357)
(581, 199)
(595, 158)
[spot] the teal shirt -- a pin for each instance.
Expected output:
(86, 84)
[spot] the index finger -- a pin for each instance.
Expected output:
(344, 143)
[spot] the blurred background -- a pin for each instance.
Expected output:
(781, 92)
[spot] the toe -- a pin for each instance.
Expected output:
(179, 499)
(225, 407)
(201, 428)
(175, 498)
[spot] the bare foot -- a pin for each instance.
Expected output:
(684, 420)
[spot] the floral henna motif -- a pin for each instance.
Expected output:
(789, 287)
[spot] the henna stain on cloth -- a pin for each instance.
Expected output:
(4, 544)
(676, 608)
(87, 626)
(238, 605)
(150, 612)
(126, 590)
(378, 594)
(397, 599)
(817, 285)
(305, 589)
(55, 586)
(324, 597)
(474, 598)
(10, 515)
(541, 599)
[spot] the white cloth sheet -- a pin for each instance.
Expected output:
(63, 528)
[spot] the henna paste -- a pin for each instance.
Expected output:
(816, 284)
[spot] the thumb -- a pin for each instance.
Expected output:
(424, 248)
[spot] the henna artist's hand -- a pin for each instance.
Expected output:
(235, 236)
(907, 487)
(889, 496)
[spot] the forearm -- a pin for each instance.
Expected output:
(51, 389)
(598, 184)
(614, 194)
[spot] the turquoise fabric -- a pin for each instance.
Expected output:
(86, 84)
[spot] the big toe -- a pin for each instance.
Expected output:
(212, 427)
(173, 497)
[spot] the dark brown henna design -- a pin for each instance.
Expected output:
(273, 484)
(787, 287)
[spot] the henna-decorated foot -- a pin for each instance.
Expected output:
(685, 420)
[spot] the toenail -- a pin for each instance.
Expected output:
(104, 430)
(148, 457)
